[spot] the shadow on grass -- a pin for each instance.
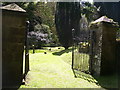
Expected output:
(62, 52)
(109, 82)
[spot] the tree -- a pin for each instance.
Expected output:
(47, 13)
(67, 17)
(110, 9)
(89, 10)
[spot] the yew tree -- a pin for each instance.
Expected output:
(67, 17)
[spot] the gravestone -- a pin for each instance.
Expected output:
(13, 38)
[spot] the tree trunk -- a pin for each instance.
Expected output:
(66, 47)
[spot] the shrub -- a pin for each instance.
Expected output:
(40, 36)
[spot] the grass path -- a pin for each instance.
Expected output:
(53, 71)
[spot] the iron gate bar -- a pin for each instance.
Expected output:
(26, 50)
(81, 51)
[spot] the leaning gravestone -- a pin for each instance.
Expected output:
(103, 46)
(13, 36)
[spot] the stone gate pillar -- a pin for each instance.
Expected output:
(13, 36)
(103, 46)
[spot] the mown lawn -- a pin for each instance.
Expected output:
(53, 70)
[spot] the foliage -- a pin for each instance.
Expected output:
(109, 9)
(89, 10)
(47, 13)
(40, 36)
(67, 17)
(39, 13)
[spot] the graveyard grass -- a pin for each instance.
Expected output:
(53, 70)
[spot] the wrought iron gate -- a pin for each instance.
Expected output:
(81, 51)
